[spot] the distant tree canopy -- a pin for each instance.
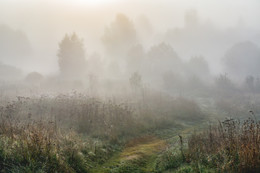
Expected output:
(8, 72)
(34, 77)
(191, 19)
(13, 44)
(72, 62)
(250, 82)
(134, 58)
(223, 82)
(95, 64)
(119, 36)
(172, 81)
(199, 67)
(135, 80)
(145, 25)
(243, 59)
(163, 57)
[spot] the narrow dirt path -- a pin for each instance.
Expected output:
(140, 154)
(142, 147)
(139, 151)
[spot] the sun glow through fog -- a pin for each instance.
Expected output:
(94, 2)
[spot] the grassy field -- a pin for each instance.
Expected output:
(75, 133)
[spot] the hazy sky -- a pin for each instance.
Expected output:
(46, 21)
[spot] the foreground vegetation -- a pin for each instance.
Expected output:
(75, 133)
(231, 146)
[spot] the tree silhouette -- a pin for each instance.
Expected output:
(34, 78)
(191, 19)
(199, 67)
(15, 46)
(134, 58)
(250, 82)
(119, 36)
(163, 58)
(135, 81)
(223, 82)
(72, 62)
(243, 59)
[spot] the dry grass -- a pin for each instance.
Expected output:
(106, 119)
(74, 133)
(41, 146)
(232, 146)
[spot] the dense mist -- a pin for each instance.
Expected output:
(192, 28)
(121, 85)
(177, 47)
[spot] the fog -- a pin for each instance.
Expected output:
(123, 85)
(218, 25)
(102, 47)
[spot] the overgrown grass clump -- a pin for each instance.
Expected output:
(40, 147)
(231, 146)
